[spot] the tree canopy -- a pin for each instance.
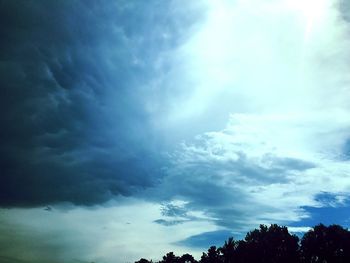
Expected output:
(274, 244)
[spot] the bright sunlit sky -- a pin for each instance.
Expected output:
(133, 128)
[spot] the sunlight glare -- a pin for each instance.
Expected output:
(311, 11)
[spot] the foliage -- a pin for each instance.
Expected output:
(326, 244)
(274, 244)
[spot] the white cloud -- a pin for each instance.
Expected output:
(253, 56)
(300, 229)
(277, 73)
(262, 168)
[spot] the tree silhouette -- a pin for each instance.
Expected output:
(170, 258)
(212, 256)
(228, 251)
(143, 260)
(326, 244)
(187, 258)
(274, 244)
(271, 244)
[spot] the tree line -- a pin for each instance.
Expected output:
(274, 244)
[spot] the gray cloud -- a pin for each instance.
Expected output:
(73, 76)
(169, 222)
(222, 180)
(17, 245)
(344, 7)
(173, 210)
(346, 150)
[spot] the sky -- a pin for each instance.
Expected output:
(133, 128)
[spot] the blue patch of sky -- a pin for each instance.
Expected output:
(333, 212)
(207, 239)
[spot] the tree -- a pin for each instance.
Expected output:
(228, 251)
(170, 258)
(143, 260)
(212, 256)
(271, 244)
(274, 244)
(187, 258)
(326, 244)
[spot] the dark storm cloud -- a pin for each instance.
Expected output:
(73, 123)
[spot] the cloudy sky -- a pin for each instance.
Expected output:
(133, 128)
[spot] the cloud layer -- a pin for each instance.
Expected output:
(192, 121)
(75, 82)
